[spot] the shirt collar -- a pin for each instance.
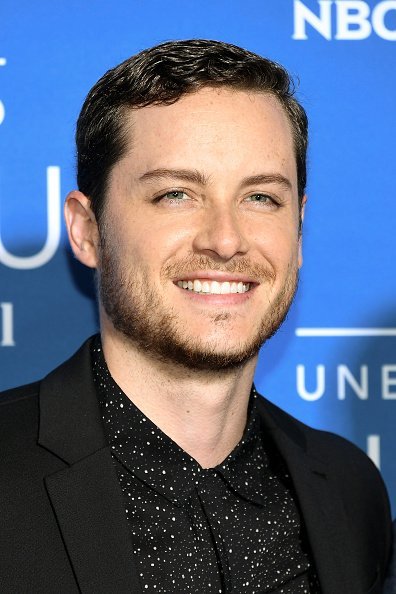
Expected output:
(148, 453)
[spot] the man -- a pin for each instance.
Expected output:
(148, 463)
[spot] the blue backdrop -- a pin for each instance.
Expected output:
(333, 363)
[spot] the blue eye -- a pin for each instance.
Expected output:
(176, 195)
(173, 198)
(263, 200)
(260, 198)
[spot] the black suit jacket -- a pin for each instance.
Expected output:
(63, 527)
(390, 582)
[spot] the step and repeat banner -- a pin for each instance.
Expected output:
(333, 363)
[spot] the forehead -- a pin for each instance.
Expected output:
(213, 127)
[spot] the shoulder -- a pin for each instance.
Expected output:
(324, 445)
(346, 472)
(21, 407)
(13, 395)
(19, 427)
(390, 583)
(355, 476)
(17, 407)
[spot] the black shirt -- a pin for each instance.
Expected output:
(233, 528)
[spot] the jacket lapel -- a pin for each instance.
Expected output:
(320, 504)
(88, 505)
(85, 495)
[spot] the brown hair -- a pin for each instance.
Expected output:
(161, 75)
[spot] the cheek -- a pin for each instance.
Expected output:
(170, 235)
(279, 245)
(151, 248)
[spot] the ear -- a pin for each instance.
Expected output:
(82, 228)
(302, 214)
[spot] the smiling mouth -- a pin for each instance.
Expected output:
(213, 287)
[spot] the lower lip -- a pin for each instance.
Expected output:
(218, 300)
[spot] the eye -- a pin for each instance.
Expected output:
(174, 198)
(175, 195)
(261, 198)
(264, 200)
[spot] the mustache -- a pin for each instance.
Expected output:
(241, 265)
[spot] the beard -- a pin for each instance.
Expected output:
(137, 311)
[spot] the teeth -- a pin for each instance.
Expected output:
(226, 288)
(214, 287)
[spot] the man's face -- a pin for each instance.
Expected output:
(199, 240)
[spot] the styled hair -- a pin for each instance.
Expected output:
(159, 76)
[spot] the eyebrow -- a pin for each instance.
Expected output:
(267, 178)
(196, 177)
(188, 175)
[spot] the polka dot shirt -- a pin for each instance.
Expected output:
(234, 528)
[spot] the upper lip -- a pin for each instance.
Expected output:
(215, 275)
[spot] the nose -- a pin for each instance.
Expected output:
(221, 235)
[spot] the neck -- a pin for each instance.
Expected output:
(204, 412)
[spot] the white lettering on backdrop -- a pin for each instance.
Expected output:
(311, 385)
(7, 325)
(53, 229)
(3, 62)
(354, 20)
